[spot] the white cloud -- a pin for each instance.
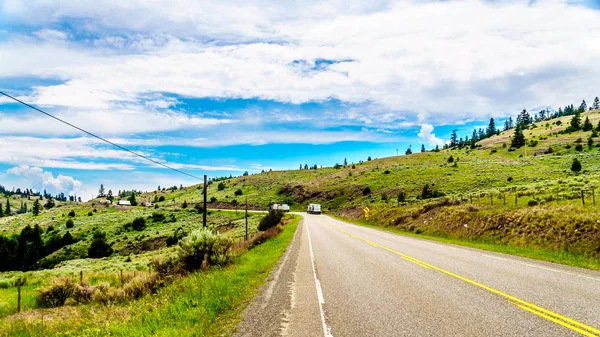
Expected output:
(427, 136)
(44, 180)
(489, 58)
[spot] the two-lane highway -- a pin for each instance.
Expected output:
(340, 279)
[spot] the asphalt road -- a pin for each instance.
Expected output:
(339, 279)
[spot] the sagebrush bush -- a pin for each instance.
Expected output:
(83, 293)
(69, 223)
(103, 293)
(272, 219)
(204, 248)
(166, 266)
(5, 284)
(57, 294)
(140, 286)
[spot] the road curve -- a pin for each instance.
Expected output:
(339, 279)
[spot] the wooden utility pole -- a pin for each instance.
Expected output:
(594, 196)
(246, 218)
(204, 211)
(516, 198)
(504, 196)
(19, 295)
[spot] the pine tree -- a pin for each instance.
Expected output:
(453, 139)
(491, 130)
(518, 138)
(576, 165)
(474, 136)
(587, 125)
(101, 191)
(1, 211)
(99, 247)
(408, 151)
(524, 118)
(132, 199)
(596, 104)
(576, 121)
(110, 196)
(345, 162)
(423, 148)
(306, 166)
(583, 106)
(7, 212)
(36, 207)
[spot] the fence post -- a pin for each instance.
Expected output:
(582, 198)
(557, 196)
(594, 196)
(471, 196)
(516, 198)
(491, 199)
(19, 296)
(121, 277)
(81, 277)
(504, 196)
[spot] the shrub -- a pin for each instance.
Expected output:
(533, 202)
(199, 208)
(239, 192)
(102, 293)
(70, 223)
(72, 213)
(384, 197)
(5, 284)
(366, 191)
(57, 294)
(262, 237)
(579, 140)
(221, 186)
(99, 247)
(83, 293)
(576, 165)
(138, 224)
(161, 198)
(139, 286)
(568, 146)
(386, 172)
(451, 159)
(509, 179)
(166, 266)
(213, 199)
(401, 196)
(90, 213)
(158, 217)
(184, 205)
(204, 248)
(272, 219)
(578, 147)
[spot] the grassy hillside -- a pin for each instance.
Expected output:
(527, 197)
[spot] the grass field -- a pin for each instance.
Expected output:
(201, 304)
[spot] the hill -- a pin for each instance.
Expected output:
(525, 197)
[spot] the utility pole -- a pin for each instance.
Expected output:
(246, 218)
(204, 211)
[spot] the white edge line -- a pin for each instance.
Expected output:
(326, 328)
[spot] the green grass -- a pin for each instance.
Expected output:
(203, 304)
(560, 257)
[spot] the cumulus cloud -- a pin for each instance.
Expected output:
(45, 180)
(427, 136)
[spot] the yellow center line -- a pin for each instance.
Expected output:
(566, 322)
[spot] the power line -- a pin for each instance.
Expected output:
(102, 139)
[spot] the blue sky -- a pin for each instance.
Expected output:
(223, 87)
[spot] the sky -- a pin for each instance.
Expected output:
(223, 87)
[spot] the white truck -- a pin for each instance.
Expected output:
(314, 209)
(282, 207)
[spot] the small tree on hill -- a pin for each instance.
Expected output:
(36, 207)
(596, 104)
(451, 159)
(401, 196)
(366, 190)
(576, 165)
(221, 186)
(101, 191)
(132, 199)
(587, 125)
(408, 151)
(576, 121)
(491, 130)
(184, 205)
(99, 247)
(583, 106)
(110, 196)
(518, 138)
(423, 148)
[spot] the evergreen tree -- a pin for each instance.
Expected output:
(101, 191)
(583, 106)
(491, 130)
(300, 167)
(596, 104)
(474, 136)
(306, 166)
(99, 247)
(506, 126)
(480, 134)
(587, 125)
(132, 199)
(36, 207)
(110, 196)
(576, 165)
(7, 212)
(408, 151)
(576, 121)
(524, 118)
(453, 139)
(1, 211)
(518, 138)
(437, 148)
(423, 148)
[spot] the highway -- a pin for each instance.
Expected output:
(339, 279)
